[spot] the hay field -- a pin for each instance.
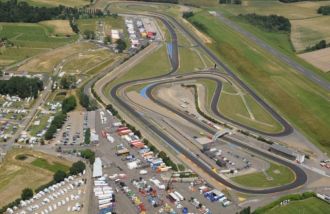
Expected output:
(59, 27)
(15, 175)
(319, 58)
(45, 62)
(29, 40)
(308, 27)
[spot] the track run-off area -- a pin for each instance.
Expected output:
(173, 77)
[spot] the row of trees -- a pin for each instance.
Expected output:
(20, 11)
(324, 10)
(320, 45)
(68, 105)
(269, 23)
(22, 87)
(87, 137)
(230, 1)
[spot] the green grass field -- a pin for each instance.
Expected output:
(154, 65)
(53, 167)
(280, 175)
(110, 22)
(299, 100)
(29, 40)
(232, 106)
(309, 205)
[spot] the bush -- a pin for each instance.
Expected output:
(324, 10)
(121, 45)
(187, 15)
(320, 45)
(77, 167)
(59, 176)
(21, 157)
(27, 194)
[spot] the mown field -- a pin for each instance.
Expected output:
(279, 174)
(29, 40)
(310, 205)
(15, 174)
(299, 100)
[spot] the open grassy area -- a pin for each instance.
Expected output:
(154, 65)
(275, 175)
(53, 167)
(58, 27)
(15, 174)
(302, 102)
(232, 106)
(110, 23)
(29, 40)
(46, 62)
(309, 205)
(87, 60)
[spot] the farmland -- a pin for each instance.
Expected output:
(29, 40)
(273, 80)
(16, 174)
(303, 17)
(58, 27)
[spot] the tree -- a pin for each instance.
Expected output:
(27, 193)
(121, 45)
(77, 167)
(87, 139)
(88, 154)
(1, 73)
(69, 104)
(59, 176)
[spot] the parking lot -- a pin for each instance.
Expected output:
(72, 132)
(141, 187)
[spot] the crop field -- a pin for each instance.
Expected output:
(319, 58)
(29, 40)
(241, 107)
(45, 62)
(275, 175)
(58, 27)
(300, 101)
(309, 205)
(16, 174)
(308, 27)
